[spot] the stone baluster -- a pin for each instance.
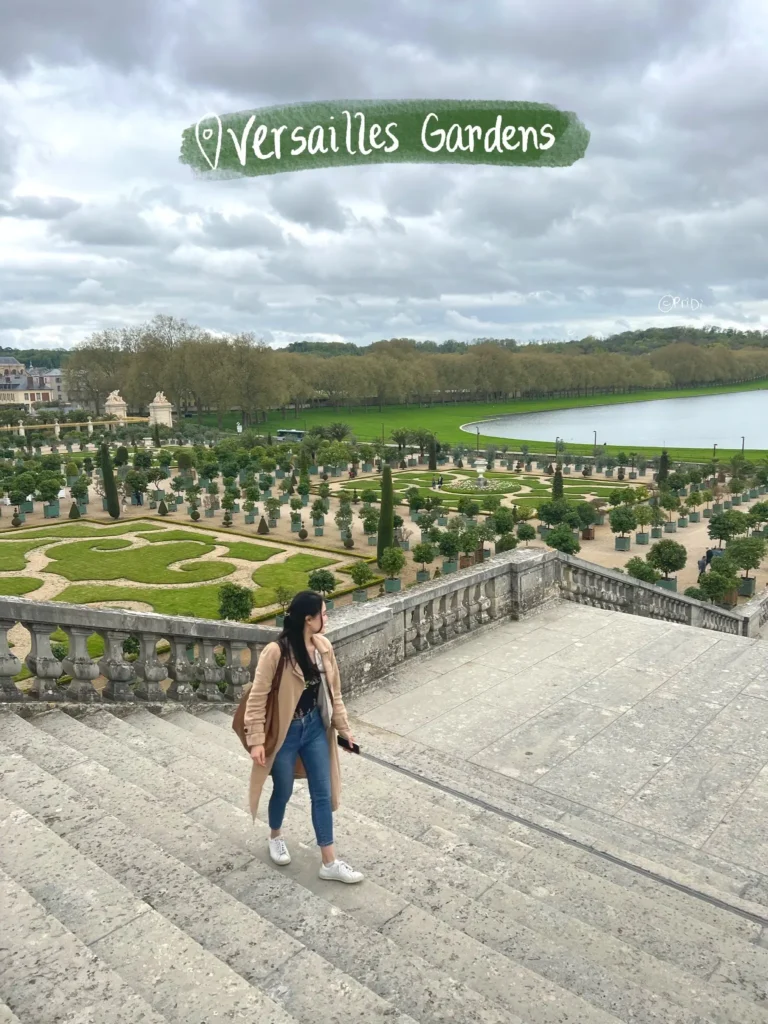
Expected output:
(118, 672)
(150, 671)
(457, 607)
(416, 631)
(448, 617)
(436, 632)
(80, 665)
(10, 666)
(236, 674)
(41, 663)
(483, 604)
(181, 670)
(209, 672)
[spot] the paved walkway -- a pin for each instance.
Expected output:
(659, 725)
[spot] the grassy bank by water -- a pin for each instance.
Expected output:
(446, 420)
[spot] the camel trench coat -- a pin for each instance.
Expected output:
(289, 693)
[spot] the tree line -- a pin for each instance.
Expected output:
(202, 372)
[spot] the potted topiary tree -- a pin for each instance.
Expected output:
(623, 519)
(526, 533)
(562, 539)
(392, 563)
(361, 574)
(283, 596)
(323, 582)
(670, 503)
(747, 553)
(721, 583)
(448, 546)
(667, 556)
(468, 544)
(644, 517)
(639, 569)
(424, 554)
(587, 514)
(684, 511)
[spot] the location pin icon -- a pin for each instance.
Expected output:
(205, 138)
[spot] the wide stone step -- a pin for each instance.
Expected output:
(258, 951)
(447, 898)
(733, 883)
(48, 975)
(163, 964)
(702, 924)
(376, 962)
(667, 857)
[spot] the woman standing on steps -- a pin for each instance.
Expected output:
(299, 740)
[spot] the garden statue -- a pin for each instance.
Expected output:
(56, 429)
(160, 411)
(239, 427)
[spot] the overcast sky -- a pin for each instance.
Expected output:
(100, 225)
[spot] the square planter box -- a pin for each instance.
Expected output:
(656, 533)
(486, 554)
(632, 475)
(747, 588)
(717, 508)
(621, 543)
(442, 521)
(318, 521)
(359, 596)
(51, 512)
(367, 467)
(285, 499)
(747, 497)
(272, 523)
(735, 500)
(249, 520)
(670, 584)
(295, 527)
(600, 521)
(104, 506)
(682, 522)
(83, 510)
(372, 540)
(27, 506)
(209, 513)
(319, 531)
(670, 527)
(153, 504)
(135, 501)
(313, 470)
(642, 539)
(22, 516)
(588, 533)
(304, 500)
(707, 513)
(235, 507)
(727, 504)
(754, 493)
(279, 620)
(280, 474)
(405, 545)
(449, 567)
(566, 469)
(694, 517)
(392, 586)
(422, 576)
(609, 472)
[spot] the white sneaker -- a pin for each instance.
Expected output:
(278, 851)
(340, 872)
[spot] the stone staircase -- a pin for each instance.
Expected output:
(136, 890)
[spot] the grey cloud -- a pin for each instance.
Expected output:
(252, 230)
(38, 207)
(306, 200)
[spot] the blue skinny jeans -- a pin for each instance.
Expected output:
(306, 738)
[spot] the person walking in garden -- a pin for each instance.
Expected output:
(709, 555)
(702, 565)
(292, 715)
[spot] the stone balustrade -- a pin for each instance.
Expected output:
(186, 659)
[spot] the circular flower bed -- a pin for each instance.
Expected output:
(470, 486)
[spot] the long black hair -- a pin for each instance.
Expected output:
(291, 640)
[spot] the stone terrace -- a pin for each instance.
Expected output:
(561, 820)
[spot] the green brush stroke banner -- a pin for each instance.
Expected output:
(344, 133)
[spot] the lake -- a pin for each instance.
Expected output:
(672, 422)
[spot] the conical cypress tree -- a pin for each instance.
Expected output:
(557, 483)
(386, 516)
(432, 455)
(663, 468)
(110, 487)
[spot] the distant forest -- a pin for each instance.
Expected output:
(627, 343)
(49, 358)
